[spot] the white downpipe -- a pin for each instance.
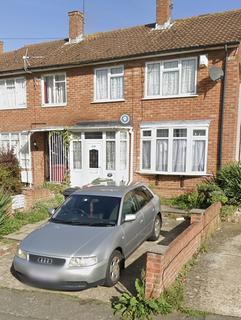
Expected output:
(131, 169)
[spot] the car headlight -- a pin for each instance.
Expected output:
(82, 261)
(21, 254)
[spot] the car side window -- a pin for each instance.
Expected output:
(142, 197)
(148, 193)
(129, 205)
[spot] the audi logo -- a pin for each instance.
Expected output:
(44, 260)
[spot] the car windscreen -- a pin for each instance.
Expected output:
(88, 210)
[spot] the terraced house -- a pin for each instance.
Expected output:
(158, 103)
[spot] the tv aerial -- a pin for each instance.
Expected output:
(216, 73)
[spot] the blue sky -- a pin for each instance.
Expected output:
(48, 18)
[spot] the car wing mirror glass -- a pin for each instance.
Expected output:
(51, 211)
(130, 217)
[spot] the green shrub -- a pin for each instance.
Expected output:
(229, 180)
(10, 173)
(205, 195)
(139, 307)
(209, 193)
(5, 202)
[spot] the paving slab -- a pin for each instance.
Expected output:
(214, 283)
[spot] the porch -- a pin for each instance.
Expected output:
(85, 153)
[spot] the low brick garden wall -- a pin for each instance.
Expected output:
(162, 269)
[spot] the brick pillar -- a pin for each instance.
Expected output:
(38, 165)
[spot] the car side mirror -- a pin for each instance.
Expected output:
(51, 211)
(130, 217)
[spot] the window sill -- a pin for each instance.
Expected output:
(14, 108)
(53, 105)
(107, 101)
(171, 97)
(190, 174)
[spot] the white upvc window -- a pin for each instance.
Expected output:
(110, 150)
(54, 91)
(19, 143)
(109, 84)
(174, 149)
(13, 93)
(171, 78)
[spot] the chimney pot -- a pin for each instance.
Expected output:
(1, 47)
(163, 12)
(76, 26)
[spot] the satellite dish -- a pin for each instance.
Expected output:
(125, 119)
(216, 73)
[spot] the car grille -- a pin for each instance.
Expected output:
(46, 261)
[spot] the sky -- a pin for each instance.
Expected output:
(30, 21)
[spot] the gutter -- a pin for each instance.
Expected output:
(233, 44)
(222, 111)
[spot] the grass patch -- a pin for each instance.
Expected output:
(227, 211)
(57, 188)
(38, 213)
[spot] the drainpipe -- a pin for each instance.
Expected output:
(131, 157)
(223, 98)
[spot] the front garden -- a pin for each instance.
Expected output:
(10, 185)
(224, 187)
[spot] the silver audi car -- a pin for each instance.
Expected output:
(88, 238)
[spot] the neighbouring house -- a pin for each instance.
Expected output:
(158, 103)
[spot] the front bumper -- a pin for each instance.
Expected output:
(70, 279)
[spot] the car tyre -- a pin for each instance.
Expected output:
(156, 229)
(113, 269)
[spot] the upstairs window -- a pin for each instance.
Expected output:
(172, 78)
(12, 93)
(54, 90)
(109, 84)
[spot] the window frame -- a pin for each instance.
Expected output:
(162, 70)
(46, 105)
(189, 153)
(25, 93)
(109, 76)
(76, 139)
(19, 154)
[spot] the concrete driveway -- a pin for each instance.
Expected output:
(214, 283)
(134, 264)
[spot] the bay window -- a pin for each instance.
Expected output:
(109, 84)
(174, 149)
(172, 78)
(13, 93)
(54, 90)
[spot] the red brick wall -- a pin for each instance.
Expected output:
(80, 107)
(32, 195)
(162, 269)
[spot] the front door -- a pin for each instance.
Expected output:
(93, 160)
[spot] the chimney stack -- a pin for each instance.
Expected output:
(163, 13)
(1, 47)
(76, 26)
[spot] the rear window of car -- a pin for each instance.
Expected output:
(142, 196)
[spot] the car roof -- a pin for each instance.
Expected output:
(107, 191)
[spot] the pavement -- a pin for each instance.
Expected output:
(214, 283)
(27, 305)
